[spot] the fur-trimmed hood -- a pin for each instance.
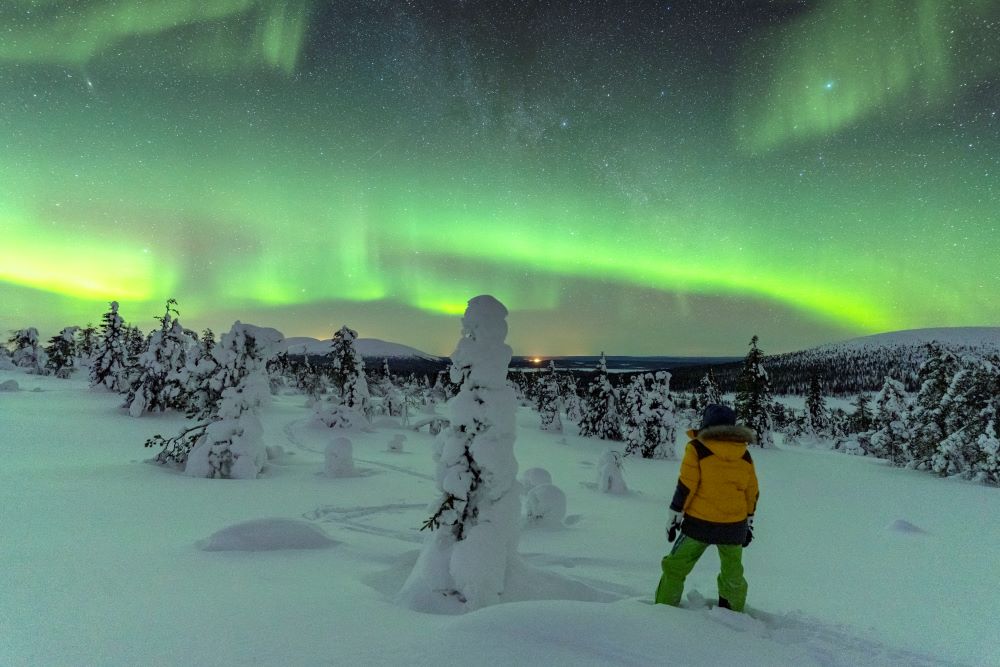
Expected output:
(724, 433)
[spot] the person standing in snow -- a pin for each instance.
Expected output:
(714, 504)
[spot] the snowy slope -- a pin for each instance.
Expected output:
(101, 564)
(983, 338)
(370, 348)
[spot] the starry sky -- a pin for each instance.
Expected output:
(636, 177)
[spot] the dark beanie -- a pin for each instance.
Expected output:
(717, 415)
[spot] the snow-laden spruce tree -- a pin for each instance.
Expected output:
(817, 417)
(549, 401)
(109, 367)
(200, 395)
(632, 400)
(891, 433)
(465, 563)
(86, 343)
(160, 375)
(231, 444)
(927, 414)
(987, 467)
(571, 399)
(753, 395)
(708, 392)
(860, 420)
(601, 417)
(61, 353)
(26, 352)
(655, 428)
(230, 398)
(969, 405)
(350, 402)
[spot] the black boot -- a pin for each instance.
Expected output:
(724, 603)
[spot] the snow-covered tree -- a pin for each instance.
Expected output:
(571, 399)
(86, 342)
(601, 416)
(753, 395)
(232, 445)
(160, 376)
(860, 420)
(549, 400)
(969, 404)
(817, 417)
(110, 364)
(655, 428)
(226, 431)
(465, 563)
(351, 401)
(61, 352)
(891, 434)
(927, 415)
(545, 506)
(26, 352)
(987, 468)
(708, 392)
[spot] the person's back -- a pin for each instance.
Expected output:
(714, 503)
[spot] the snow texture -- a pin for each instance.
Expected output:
(267, 535)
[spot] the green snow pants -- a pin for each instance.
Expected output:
(677, 565)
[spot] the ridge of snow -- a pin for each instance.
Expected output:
(973, 337)
(370, 348)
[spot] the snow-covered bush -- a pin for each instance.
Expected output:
(545, 506)
(27, 352)
(232, 446)
(465, 562)
(339, 458)
(610, 475)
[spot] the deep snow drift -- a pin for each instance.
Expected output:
(853, 562)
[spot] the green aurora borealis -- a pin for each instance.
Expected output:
(643, 178)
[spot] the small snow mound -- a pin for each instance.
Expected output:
(533, 477)
(903, 526)
(545, 506)
(10, 385)
(396, 443)
(267, 535)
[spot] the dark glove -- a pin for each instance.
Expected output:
(674, 520)
(749, 538)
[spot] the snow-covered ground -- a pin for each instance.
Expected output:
(103, 557)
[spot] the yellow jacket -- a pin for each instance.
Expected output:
(717, 488)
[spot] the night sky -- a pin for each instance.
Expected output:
(634, 177)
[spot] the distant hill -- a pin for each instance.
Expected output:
(370, 348)
(855, 365)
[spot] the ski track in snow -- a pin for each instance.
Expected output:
(347, 517)
(293, 438)
(829, 645)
